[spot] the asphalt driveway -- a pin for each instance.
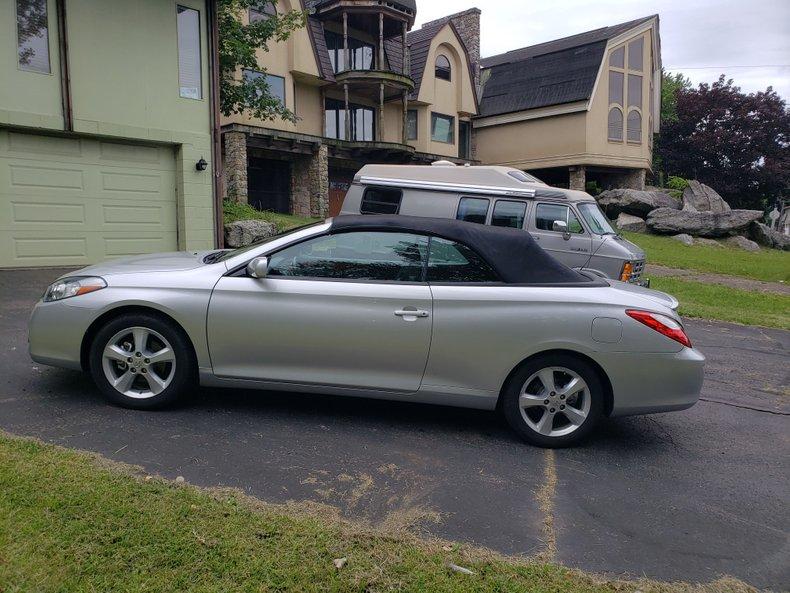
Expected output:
(685, 496)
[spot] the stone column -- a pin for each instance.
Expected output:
(633, 179)
(578, 177)
(310, 184)
(236, 166)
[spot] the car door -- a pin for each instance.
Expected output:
(572, 248)
(346, 310)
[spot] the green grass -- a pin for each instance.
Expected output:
(233, 211)
(713, 301)
(72, 522)
(768, 264)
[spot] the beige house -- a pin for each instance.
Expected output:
(106, 120)
(575, 110)
(365, 89)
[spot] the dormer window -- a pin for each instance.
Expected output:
(443, 68)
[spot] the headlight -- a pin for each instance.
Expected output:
(65, 288)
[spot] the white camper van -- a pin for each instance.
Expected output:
(566, 223)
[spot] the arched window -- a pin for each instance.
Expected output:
(616, 124)
(634, 126)
(443, 68)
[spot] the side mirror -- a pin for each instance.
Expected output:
(560, 226)
(258, 268)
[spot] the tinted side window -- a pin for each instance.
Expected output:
(547, 214)
(386, 257)
(509, 214)
(381, 201)
(473, 210)
(454, 262)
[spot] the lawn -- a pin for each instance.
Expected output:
(768, 264)
(713, 301)
(73, 522)
(233, 211)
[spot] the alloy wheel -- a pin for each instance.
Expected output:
(139, 362)
(555, 401)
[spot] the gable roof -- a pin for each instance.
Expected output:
(551, 73)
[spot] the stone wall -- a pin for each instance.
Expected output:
(578, 178)
(236, 166)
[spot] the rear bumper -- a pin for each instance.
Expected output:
(645, 383)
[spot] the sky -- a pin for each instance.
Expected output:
(747, 40)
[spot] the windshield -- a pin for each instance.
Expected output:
(595, 218)
(219, 256)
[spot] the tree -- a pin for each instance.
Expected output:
(238, 44)
(671, 85)
(735, 142)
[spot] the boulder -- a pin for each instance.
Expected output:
(708, 243)
(687, 240)
(626, 222)
(699, 197)
(246, 232)
(743, 243)
(634, 202)
(702, 224)
(768, 237)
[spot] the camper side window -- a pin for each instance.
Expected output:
(381, 201)
(473, 210)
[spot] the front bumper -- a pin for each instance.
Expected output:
(648, 383)
(55, 333)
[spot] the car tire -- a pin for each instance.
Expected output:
(554, 401)
(142, 362)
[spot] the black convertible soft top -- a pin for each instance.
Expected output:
(513, 253)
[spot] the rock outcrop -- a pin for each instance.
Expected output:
(687, 240)
(701, 224)
(767, 237)
(699, 197)
(626, 222)
(246, 232)
(634, 202)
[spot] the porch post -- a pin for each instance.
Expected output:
(405, 49)
(346, 56)
(348, 114)
(405, 117)
(381, 41)
(380, 131)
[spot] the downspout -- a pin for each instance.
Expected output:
(65, 74)
(216, 132)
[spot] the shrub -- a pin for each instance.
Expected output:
(677, 183)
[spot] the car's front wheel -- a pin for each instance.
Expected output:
(554, 401)
(142, 362)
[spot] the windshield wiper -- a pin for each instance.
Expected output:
(213, 258)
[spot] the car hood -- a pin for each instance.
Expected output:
(140, 264)
(656, 296)
(617, 246)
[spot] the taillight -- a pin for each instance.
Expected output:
(628, 271)
(662, 324)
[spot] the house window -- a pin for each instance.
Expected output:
(634, 126)
(464, 139)
(442, 128)
(363, 121)
(636, 50)
(616, 80)
(615, 124)
(443, 68)
(473, 210)
(634, 90)
(276, 84)
(32, 36)
(381, 201)
(262, 11)
(189, 66)
(412, 127)
(361, 55)
(617, 58)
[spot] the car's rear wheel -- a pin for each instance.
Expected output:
(142, 362)
(554, 401)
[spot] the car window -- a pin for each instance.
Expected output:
(509, 214)
(381, 201)
(449, 261)
(547, 214)
(473, 210)
(386, 257)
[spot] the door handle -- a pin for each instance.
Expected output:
(420, 314)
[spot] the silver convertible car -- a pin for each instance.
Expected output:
(391, 307)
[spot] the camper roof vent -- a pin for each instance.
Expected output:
(442, 164)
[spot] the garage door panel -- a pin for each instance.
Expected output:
(79, 201)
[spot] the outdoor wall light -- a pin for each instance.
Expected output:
(201, 165)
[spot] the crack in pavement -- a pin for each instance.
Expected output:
(743, 407)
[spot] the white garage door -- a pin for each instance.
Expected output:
(75, 201)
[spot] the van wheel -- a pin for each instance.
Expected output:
(554, 401)
(142, 362)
